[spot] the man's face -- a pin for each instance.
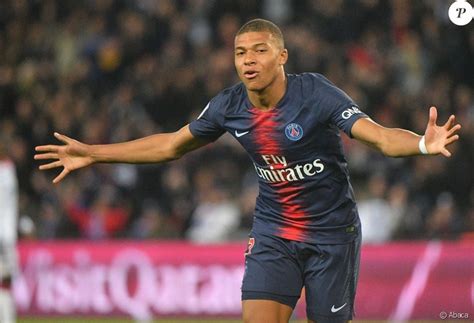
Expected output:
(258, 59)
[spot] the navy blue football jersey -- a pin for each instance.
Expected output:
(296, 150)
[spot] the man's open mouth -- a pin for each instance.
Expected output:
(250, 74)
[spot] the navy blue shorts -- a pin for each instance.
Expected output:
(277, 269)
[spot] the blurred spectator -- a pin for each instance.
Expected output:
(107, 71)
(101, 219)
(381, 211)
(8, 233)
(153, 223)
(216, 216)
(49, 220)
(442, 222)
(247, 203)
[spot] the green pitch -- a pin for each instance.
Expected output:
(116, 320)
(122, 320)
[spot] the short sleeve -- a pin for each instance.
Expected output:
(344, 117)
(209, 123)
(340, 109)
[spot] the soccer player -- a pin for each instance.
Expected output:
(306, 229)
(8, 233)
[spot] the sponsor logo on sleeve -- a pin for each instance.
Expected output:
(346, 114)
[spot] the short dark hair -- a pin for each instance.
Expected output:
(263, 25)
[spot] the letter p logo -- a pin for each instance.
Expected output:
(460, 12)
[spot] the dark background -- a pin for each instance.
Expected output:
(109, 71)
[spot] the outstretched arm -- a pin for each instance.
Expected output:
(395, 142)
(152, 149)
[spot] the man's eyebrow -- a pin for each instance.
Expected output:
(253, 46)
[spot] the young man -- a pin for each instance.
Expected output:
(8, 233)
(306, 229)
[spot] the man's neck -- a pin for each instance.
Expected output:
(269, 97)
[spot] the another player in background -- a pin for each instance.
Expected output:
(306, 230)
(8, 234)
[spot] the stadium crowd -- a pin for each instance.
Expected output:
(108, 71)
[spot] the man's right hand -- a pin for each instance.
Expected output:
(72, 155)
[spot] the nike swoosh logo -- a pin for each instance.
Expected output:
(337, 309)
(240, 134)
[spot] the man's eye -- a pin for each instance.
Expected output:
(239, 53)
(261, 50)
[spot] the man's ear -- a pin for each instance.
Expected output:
(283, 56)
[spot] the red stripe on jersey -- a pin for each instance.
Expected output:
(265, 137)
(264, 133)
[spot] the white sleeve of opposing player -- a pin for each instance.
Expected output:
(8, 204)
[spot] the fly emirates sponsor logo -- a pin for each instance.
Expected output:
(277, 169)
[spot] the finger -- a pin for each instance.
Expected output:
(433, 116)
(61, 176)
(50, 148)
(65, 139)
(46, 156)
(452, 139)
(445, 152)
(454, 129)
(449, 123)
(51, 165)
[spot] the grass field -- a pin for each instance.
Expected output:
(122, 320)
(119, 320)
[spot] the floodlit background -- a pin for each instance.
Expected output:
(109, 71)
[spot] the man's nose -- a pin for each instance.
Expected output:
(249, 59)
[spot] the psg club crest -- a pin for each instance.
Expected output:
(294, 132)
